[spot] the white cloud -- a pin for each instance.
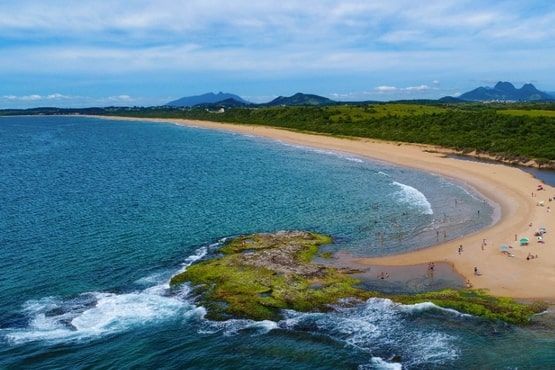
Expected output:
(74, 100)
(24, 97)
(57, 96)
(106, 40)
(36, 97)
(409, 89)
(417, 88)
(121, 98)
(385, 88)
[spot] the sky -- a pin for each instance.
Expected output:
(105, 53)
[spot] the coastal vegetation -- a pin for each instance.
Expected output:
(256, 276)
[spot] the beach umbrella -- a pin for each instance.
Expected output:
(524, 241)
(504, 248)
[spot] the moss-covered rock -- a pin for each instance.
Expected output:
(478, 303)
(258, 275)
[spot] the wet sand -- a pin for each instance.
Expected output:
(507, 187)
(407, 279)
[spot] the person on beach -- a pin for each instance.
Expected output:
(430, 273)
(476, 271)
(460, 249)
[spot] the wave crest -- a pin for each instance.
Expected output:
(413, 196)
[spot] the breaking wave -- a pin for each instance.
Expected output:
(333, 153)
(412, 196)
(94, 314)
(379, 327)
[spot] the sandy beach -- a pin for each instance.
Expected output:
(509, 188)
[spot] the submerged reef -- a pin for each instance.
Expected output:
(256, 276)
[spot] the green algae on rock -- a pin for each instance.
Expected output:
(256, 276)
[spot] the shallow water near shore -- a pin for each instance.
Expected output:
(545, 175)
(97, 215)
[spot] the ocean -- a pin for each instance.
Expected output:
(96, 216)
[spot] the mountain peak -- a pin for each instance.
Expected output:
(504, 86)
(301, 99)
(208, 98)
(528, 87)
(506, 91)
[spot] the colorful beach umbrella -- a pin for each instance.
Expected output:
(524, 241)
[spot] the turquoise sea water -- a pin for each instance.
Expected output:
(96, 215)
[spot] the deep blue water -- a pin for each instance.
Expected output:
(96, 215)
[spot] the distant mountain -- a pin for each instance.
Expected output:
(210, 98)
(450, 99)
(301, 99)
(227, 103)
(506, 91)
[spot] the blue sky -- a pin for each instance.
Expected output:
(83, 53)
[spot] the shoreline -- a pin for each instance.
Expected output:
(508, 187)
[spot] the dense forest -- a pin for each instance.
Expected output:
(509, 131)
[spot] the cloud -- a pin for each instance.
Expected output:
(385, 88)
(393, 89)
(266, 45)
(71, 100)
(417, 88)
(36, 97)
(121, 98)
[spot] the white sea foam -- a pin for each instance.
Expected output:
(425, 306)
(380, 364)
(235, 326)
(95, 314)
(341, 155)
(103, 313)
(199, 253)
(412, 196)
(378, 326)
